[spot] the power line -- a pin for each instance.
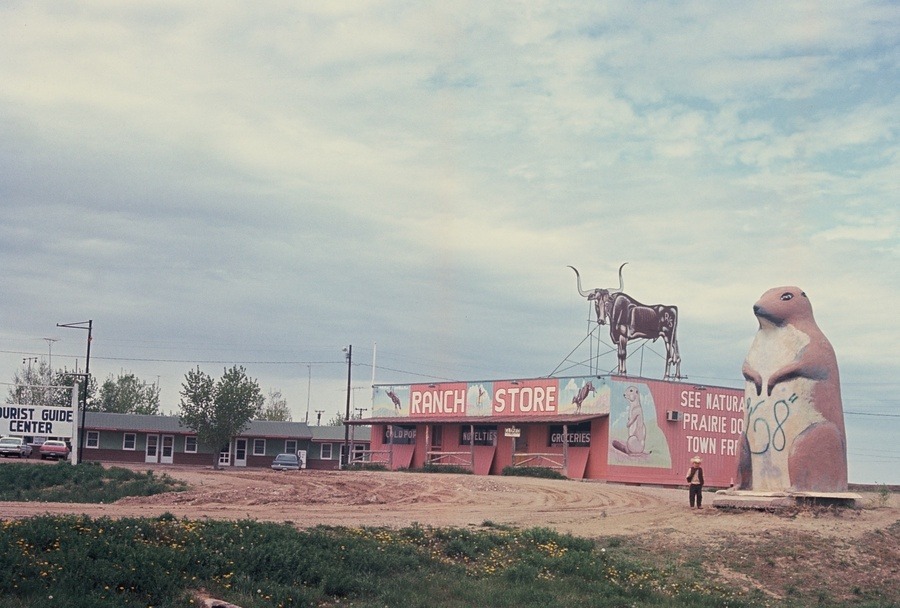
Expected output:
(222, 361)
(232, 361)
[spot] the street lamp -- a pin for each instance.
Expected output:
(89, 326)
(349, 351)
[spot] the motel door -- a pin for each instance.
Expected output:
(240, 452)
(151, 453)
(168, 449)
(225, 456)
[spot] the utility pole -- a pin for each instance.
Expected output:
(50, 342)
(359, 412)
(28, 361)
(347, 416)
(89, 326)
(308, 390)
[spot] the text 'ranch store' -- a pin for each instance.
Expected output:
(615, 428)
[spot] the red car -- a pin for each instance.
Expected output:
(54, 449)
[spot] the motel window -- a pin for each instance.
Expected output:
(484, 435)
(399, 434)
(326, 451)
(92, 440)
(290, 446)
(437, 436)
(129, 441)
(259, 447)
(579, 435)
(190, 444)
(359, 450)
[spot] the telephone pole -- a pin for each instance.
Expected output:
(50, 342)
(89, 326)
(349, 351)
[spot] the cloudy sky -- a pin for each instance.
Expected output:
(267, 183)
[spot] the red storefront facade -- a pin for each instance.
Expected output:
(612, 428)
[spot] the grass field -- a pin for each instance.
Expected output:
(80, 562)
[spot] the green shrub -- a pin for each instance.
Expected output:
(543, 472)
(367, 466)
(884, 496)
(445, 468)
(86, 482)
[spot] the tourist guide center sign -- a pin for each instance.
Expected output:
(36, 420)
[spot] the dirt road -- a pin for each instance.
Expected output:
(590, 509)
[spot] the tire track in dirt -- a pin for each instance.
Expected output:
(393, 499)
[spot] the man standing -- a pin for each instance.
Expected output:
(695, 479)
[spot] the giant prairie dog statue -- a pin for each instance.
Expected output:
(794, 438)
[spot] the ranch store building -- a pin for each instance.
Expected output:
(614, 428)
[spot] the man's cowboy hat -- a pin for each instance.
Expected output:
(696, 459)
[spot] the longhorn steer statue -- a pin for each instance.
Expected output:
(629, 320)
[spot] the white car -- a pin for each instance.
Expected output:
(14, 446)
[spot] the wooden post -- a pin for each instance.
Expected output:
(472, 446)
(390, 430)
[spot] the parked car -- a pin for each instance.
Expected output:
(286, 462)
(54, 449)
(14, 446)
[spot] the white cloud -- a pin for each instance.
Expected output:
(276, 182)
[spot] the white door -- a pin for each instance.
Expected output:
(240, 452)
(168, 449)
(151, 454)
(225, 456)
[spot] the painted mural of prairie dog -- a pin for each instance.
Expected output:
(794, 436)
(637, 429)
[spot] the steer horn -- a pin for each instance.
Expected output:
(587, 294)
(621, 284)
(578, 278)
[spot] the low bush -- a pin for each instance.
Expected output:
(443, 468)
(543, 472)
(367, 466)
(86, 482)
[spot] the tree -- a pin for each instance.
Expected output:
(275, 408)
(128, 395)
(219, 411)
(39, 385)
(338, 419)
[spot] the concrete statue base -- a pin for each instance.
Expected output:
(772, 501)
